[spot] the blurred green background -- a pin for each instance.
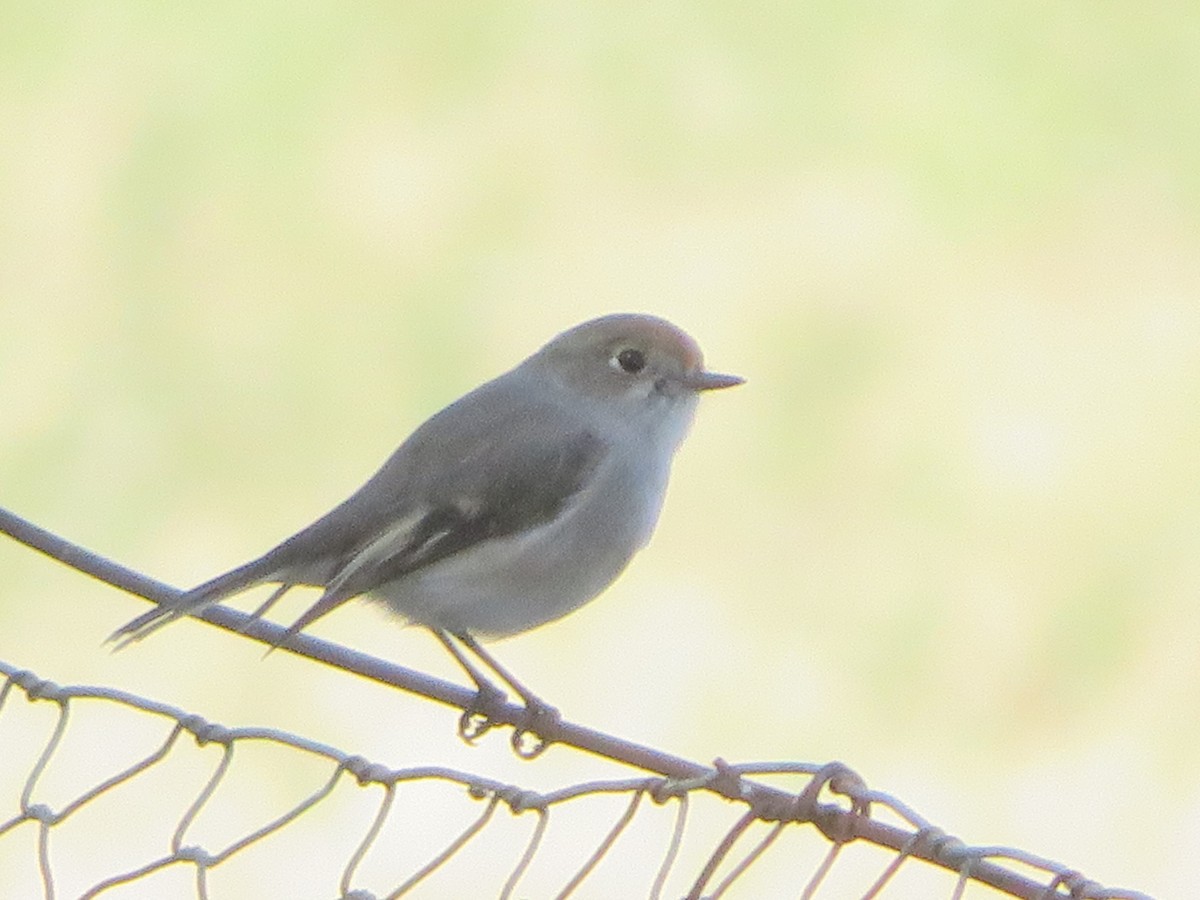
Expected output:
(947, 532)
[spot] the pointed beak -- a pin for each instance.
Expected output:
(710, 381)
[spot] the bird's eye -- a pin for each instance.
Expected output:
(630, 360)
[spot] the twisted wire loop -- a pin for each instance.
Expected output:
(832, 809)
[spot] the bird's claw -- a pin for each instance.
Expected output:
(472, 725)
(480, 717)
(529, 732)
(529, 739)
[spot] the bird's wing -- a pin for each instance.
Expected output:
(501, 488)
(486, 466)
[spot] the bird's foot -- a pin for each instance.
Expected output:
(481, 716)
(529, 738)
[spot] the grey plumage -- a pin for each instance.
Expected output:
(510, 507)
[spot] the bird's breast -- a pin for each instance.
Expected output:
(510, 584)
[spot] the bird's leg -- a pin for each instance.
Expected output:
(488, 660)
(476, 719)
(538, 713)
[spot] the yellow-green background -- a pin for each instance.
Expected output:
(948, 532)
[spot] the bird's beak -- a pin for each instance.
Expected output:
(710, 381)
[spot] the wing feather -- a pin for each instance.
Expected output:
(489, 465)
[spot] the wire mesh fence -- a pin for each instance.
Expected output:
(832, 806)
(104, 793)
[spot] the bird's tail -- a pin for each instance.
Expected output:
(199, 597)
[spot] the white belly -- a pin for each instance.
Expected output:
(507, 585)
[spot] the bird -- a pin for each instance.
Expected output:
(509, 508)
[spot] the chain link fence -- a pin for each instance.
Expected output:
(832, 806)
(107, 794)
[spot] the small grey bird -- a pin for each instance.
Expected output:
(511, 507)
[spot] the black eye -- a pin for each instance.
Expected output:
(631, 361)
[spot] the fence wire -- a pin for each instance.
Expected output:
(723, 866)
(141, 816)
